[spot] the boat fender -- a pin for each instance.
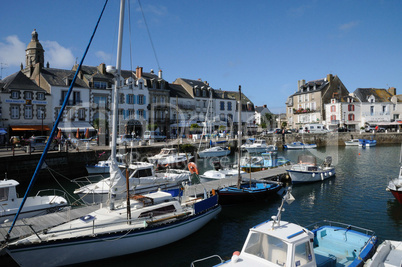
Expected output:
(235, 256)
(313, 174)
(192, 167)
(322, 176)
(330, 173)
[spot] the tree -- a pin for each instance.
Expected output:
(152, 126)
(268, 119)
(194, 127)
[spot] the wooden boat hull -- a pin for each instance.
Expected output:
(97, 247)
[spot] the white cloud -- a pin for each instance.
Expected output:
(12, 52)
(103, 56)
(57, 55)
(348, 26)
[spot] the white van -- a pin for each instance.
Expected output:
(314, 128)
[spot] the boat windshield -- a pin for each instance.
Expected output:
(267, 247)
(307, 159)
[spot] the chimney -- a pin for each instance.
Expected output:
(329, 78)
(265, 106)
(160, 74)
(138, 72)
(392, 90)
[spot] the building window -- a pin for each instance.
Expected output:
(141, 99)
(162, 99)
(131, 113)
(40, 114)
(351, 117)
(130, 99)
(141, 113)
(371, 110)
(15, 112)
(333, 117)
(121, 98)
(205, 103)
(100, 85)
(40, 96)
(222, 104)
(154, 99)
(204, 93)
(351, 107)
(230, 118)
(222, 117)
(81, 114)
(15, 95)
(76, 98)
(28, 111)
(229, 105)
(197, 92)
(384, 108)
(333, 108)
(140, 85)
(28, 95)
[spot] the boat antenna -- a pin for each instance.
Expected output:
(54, 129)
(289, 199)
(239, 138)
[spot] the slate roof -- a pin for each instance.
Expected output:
(261, 108)
(57, 77)
(19, 81)
(380, 95)
(179, 91)
(320, 85)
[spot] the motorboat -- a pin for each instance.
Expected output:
(306, 170)
(142, 179)
(261, 162)
(299, 145)
(281, 243)
(352, 142)
(367, 143)
(136, 224)
(215, 151)
(395, 186)
(103, 166)
(170, 157)
(258, 146)
(40, 204)
(212, 175)
(388, 254)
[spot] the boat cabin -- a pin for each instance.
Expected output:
(8, 190)
(140, 170)
(270, 159)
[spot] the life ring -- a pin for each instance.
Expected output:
(192, 167)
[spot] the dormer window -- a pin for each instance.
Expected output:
(28, 95)
(40, 96)
(140, 85)
(197, 92)
(15, 94)
(204, 93)
(100, 85)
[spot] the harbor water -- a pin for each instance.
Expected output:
(356, 196)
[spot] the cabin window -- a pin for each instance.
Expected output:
(267, 247)
(158, 211)
(143, 173)
(4, 194)
(303, 254)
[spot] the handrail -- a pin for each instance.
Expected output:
(207, 258)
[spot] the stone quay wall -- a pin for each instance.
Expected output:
(71, 164)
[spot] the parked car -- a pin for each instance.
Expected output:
(38, 143)
(124, 139)
(152, 135)
(373, 128)
(342, 129)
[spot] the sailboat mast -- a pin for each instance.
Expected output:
(239, 138)
(117, 81)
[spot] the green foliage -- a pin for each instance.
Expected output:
(187, 148)
(98, 123)
(152, 126)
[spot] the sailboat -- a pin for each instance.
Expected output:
(140, 223)
(246, 191)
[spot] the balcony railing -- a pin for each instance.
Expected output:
(72, 102)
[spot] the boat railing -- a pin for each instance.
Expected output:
(207, 258)
(85, 180)
(55, 193)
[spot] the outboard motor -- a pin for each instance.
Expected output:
(327, 162)
(217, 165)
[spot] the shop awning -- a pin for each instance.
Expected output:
(3, 131)
(29, 128)
(74, 125)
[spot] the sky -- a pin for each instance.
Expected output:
(265, 46)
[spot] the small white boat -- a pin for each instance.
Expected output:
(142, 179)
(258, 146)
(279, 243)
(103, 166)
(300, 145)
(220, 174)
(306, 170)
(261, 162)
(34, 206)
(388, 254)
(215, 151)
(352, 142)
(169, 157)
(395, 186)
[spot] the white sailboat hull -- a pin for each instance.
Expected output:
(91, 248)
